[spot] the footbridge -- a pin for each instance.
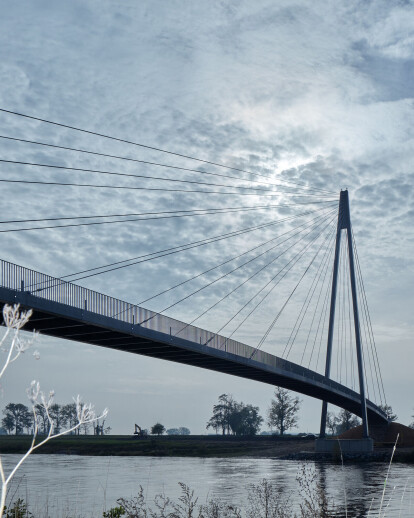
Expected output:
(72, 312)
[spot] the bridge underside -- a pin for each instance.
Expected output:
(63, 321)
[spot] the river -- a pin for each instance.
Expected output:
(82, 486)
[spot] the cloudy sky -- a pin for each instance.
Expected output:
(317, 94)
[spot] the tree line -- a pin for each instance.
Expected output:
(159, 429)
(345, 420)
(19, 419)
(236, 418)
(230, 417)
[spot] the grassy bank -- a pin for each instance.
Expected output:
(173, 446)
(187, 446)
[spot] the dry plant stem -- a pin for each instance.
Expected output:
(388, 473)
(389, 500)
(5, 481)
(370, 507)
(342, 464)
(402, 497)
(15, 320)
(7, 362)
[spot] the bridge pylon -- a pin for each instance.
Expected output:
(344, 223)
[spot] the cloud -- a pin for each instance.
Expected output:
(315, 95)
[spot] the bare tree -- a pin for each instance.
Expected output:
(283, 411)
(387, 409)
(99, 429)
(85, 427)
(42, 420)
(331, 422)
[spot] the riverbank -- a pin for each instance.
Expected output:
(292, 448)
(170, 446)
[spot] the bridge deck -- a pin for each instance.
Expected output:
(65, 310)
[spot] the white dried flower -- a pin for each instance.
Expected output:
(47, 401)
(15, 319)
(86, 411)
(33, 392)
(36, 355)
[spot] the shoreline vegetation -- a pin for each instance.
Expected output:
(287, 447)
(264, 500)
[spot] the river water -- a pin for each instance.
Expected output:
(79, 486)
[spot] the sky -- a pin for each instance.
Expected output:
(316, 94)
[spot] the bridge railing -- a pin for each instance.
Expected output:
(19, 278)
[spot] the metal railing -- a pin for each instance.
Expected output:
(19, 278)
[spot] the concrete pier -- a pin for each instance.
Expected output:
(345, 446)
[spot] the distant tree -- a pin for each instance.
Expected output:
(387, 409)
(8, 423)
(283, 411)
(229, 416)
(86, 428)
(178, 431)
(70, 416)
(58, 416)
(42, 420)
(215, 423)
(346, 420)
(19, 415)
(157, 429)
(100, 429)
(221, 414)
(331, 422)
(245, 419)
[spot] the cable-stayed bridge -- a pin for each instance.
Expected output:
(314, 247)
(72, 312)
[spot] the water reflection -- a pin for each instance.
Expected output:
(86, 485)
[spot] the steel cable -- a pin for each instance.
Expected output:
(61, 168)
(292, 263)
(289, 345)
(125, 141)
(169, 251)
(288, 299)
(244, 282)
(168, 166)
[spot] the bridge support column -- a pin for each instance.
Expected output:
(331, 319)
(344, 223)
